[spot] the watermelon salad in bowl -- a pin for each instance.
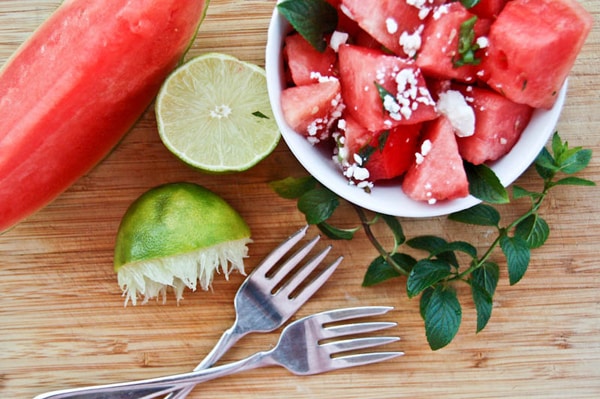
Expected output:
(384, 102)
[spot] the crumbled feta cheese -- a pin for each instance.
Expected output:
(419, 158)
(482, 42)
(316, 76)
(411, 42)
(426, 147)
(391, 26)
(453, 105)
(440, 11)
(337, 39)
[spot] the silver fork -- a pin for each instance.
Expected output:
(300, 350)
(258, 307)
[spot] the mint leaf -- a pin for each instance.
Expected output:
(481, 215)
(436, 246)
(484, 281)
(469, 3)
(545, 165)
(424, 274)
(487, 277)
(485, 185)
(313, 19)
(443, 315)
(431, 244)
(259, 114)
(467, 44)
(318, 205)
(394, 224)
(424, 301)
(517, 255)
(534, 230)
(453, 246)
(574, 181)
(292, 188)
(380, 269)
(336, 233)
(483, 305)
(576, 162)
(520, 192)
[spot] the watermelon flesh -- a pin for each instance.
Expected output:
(533, 70)
(390, 152)
(440, 45)
(308, 65)
(70, 92)
(322, 107)
(499, 123)
(475, 112)
(362, 69)
(438, 172)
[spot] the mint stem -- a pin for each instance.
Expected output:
(384, 254)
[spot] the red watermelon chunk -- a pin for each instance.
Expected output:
(440, 44)
(488, 9)
(388, 153)
(499, 123)
(438, 173)
(307, 65)
(532, 47)
(311, 110)
(395, 24)
(345, 24)
(361, 69)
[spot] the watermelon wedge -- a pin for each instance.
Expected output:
(438, 172)
(77, 85)
(533, 45)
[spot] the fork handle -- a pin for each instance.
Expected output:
(152, 388)
(227, 340)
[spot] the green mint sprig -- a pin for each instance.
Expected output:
(435, 275)
(467, 44)
(313, 19)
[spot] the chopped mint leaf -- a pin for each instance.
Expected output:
(312, 19)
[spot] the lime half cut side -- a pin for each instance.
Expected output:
(175, 236)
(214, 114)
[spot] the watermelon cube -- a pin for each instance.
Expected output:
(488, 9)
(395, 24)
(386, 154)
(363, 72)
(438, 172)
(499, 123)
(307, 64)
(439, 50)
(311, 110)
(533, 45)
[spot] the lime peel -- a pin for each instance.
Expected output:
(175, 236)
(152, 278)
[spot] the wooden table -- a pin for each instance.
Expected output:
(63, 323)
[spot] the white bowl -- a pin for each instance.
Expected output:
(389, 198)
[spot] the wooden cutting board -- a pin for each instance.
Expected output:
(63, 323)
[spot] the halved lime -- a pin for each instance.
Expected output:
(177, 235)
(214, 113)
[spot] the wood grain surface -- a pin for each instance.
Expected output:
(63, 323)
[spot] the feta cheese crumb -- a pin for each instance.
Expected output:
(426, 147)
(391, 26)
(411, 42)
(452, 105)
(482, 42)
(337, 39)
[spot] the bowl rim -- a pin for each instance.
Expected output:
(533, 139)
